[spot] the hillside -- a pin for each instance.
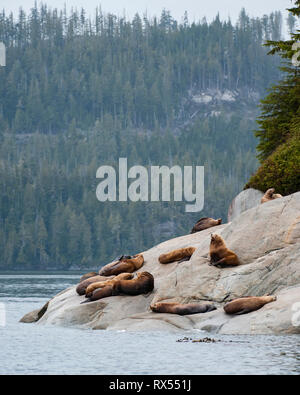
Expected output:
(78, 93)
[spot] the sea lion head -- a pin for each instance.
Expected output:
(154, 307)
(220, 221)
(270, 192)
(143, 275)
(216, 239)
(270, 298)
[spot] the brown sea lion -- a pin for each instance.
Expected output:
(220, 255)
(43, 310)
(181, 255)
(81, 287)
(142, 284)
(270, 195)
(91, 288)
(88, 275)
(205, 223)
(182, 309)
(123, 266)
(246, 305)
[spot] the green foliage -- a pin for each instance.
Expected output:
(279, 149)
(281, 170)
(278, 112)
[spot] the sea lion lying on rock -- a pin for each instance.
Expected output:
(142, 284)
(248, 304)
(270, 195)
(91, 288)
(81, 287)
(205, 223)
(182, 309)
(123, 266)
(220, 255)
(88, 275)
(181, 255)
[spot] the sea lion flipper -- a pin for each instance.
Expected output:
(244, 311)
(86, 301)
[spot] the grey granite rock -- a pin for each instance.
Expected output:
(267, 240)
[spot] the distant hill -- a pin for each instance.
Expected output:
(78, 93)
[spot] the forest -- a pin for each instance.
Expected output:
(79, 92)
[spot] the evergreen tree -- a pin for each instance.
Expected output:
(280, 123)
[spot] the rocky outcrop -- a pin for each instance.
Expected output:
(266, 239)
(244, 201)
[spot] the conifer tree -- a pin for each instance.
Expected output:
(279, 132)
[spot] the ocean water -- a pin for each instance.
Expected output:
(35, 349)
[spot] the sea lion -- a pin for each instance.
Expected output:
(43, 311)
(125, 257)
(142, 284)
(205, 223)
(123, 266)
(88, 275)
(81, 287)
(182, 309)
(181, 255)
(270, 195)
(220, 255)
(248, 304)
(91, 288)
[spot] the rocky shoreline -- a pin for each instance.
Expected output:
(266, 239)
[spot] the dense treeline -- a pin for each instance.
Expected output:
(63, 68)
(279, 133)
(79, 93)
(49, 213)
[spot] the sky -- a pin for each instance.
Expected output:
(196, 9)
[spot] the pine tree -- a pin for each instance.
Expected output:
(280, 123)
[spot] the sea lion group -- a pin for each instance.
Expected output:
(142, 284)
(117, 278)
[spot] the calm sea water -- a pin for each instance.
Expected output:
(34, 349)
